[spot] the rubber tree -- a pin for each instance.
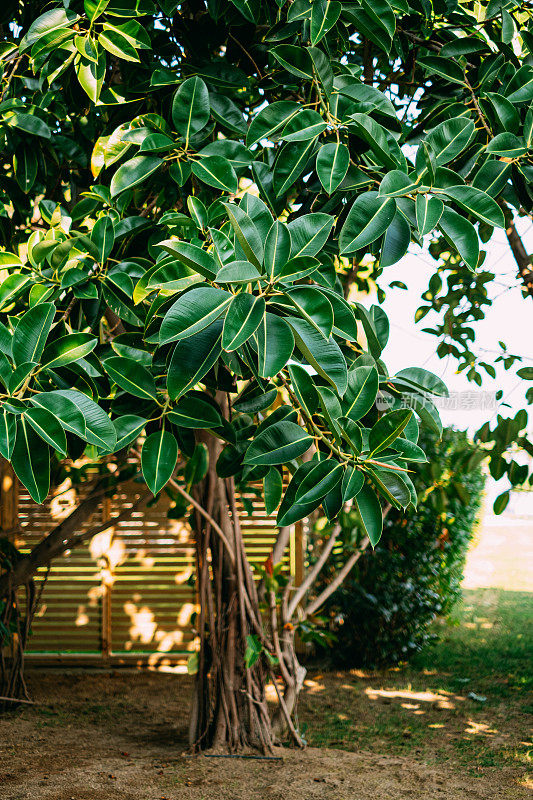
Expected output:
(188, 189)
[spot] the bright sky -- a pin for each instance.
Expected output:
(509, 319)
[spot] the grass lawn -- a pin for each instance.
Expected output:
(467, 699)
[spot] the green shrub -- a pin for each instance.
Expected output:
(382, 613)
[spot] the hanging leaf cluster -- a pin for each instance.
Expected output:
(186, 190)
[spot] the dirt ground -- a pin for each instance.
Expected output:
(121, 736)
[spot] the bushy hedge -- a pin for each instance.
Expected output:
(382, 614)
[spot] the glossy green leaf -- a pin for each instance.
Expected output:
(193, 312)
(304, 388)
(492, 177)
(477, 203)
(297, 268)
(158, 459)
(278, 444)
(368, 218)
(352, 483)
(444, 67)
(118, 45)
(309, 233)
(396, 241)
(392, 486)
(323, 354)
(243, 317)
(387, 429)
(32, 332)
(462, 235)
(369, 508)
(324, 15)
(25, 166)
(46, 425)
(193, 358)
(428, 213)
(247, 234)
(321, 480)
(449, 138)
(361, 392)
(190, 107)
(99, 430)
(216, 171)
(332, 162)
(313, 306)
(91, 73)
(290, 511)
(503, 111)
(103, 236)
(270, 120)
(238, 272)
(423, 379)
(295, 60)
(277, 248)
(45, 23)
(272, 490)
(29, 123)
(192, 256)
(31, 461)
(131, 377)
(305, 125)
(8, 432)
(133, 172)
(397, 184)
(344, 324)
(68, 349)
(290, 164)
(193, 412)
(128, 428)
(507, 145)
(67, 412)
(275, 344)
(427, 412)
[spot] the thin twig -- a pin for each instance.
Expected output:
(17, 700)
(246, 53)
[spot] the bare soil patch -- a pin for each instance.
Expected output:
(121, 736)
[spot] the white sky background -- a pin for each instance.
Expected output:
(509, 319)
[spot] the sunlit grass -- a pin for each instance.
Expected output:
(463, 700)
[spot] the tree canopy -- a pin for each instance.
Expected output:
(191, 191)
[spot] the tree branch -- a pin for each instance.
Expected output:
(313, 572)
(61, 538)
(521, 256)
(338, 579)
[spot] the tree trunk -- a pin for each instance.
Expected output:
(229, 709)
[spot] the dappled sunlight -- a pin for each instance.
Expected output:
(167, 641)
(144, 629)
(82, 618)
(271, 694)
(479, 728)
(143, 625)
(314, 686)
(184, 576)
(108, 548)
(185, 614)
(440, 699)
(63, 502)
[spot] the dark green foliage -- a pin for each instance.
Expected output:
(382, 613)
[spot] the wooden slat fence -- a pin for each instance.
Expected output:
(127, 595)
